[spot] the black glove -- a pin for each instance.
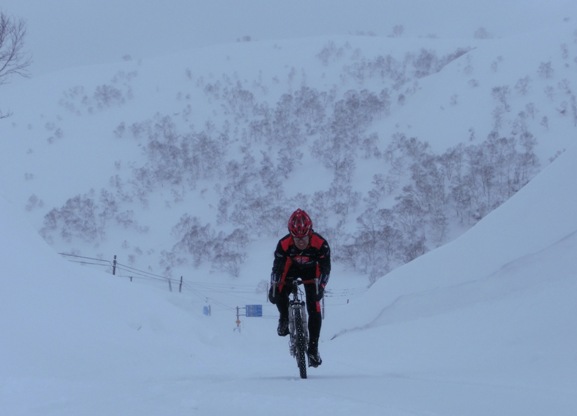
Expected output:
(273, 297)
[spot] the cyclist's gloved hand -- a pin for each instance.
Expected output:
(273, 297)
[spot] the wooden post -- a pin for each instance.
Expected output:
(114, 266)
(237, 319)
(180, 286)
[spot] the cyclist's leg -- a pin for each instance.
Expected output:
(314, 312)
(315, 322)
(282, 303)
(283, 306)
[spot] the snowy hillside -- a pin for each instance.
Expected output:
(449, 133)
(398, 137)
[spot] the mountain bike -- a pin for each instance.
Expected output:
(298, 326)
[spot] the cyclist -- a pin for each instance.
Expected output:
(301, 253)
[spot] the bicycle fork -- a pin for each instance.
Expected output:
(297, 307)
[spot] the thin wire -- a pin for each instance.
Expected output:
(198, 289)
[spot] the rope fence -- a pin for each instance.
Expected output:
(205, 291)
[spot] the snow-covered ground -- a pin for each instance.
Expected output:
(485, 325)
(482, 326)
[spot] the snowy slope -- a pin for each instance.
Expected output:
(41, 170)
(481, 326)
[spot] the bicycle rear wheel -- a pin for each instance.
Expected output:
(301, 345)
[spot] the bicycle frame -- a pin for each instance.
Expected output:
(298, 326)
(298, 323)
(297, 306)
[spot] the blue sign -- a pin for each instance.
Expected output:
(253, 310)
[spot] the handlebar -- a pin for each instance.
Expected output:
(299, 281)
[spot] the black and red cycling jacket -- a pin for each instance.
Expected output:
(310, 263)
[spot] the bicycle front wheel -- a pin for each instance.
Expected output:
(301, 345)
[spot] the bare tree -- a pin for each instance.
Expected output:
(13, 60)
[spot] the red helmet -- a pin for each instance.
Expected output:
(300, 224)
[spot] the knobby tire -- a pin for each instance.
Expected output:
(301, 345)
